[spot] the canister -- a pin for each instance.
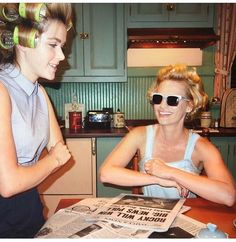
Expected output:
(75, 121)
(205, 119)
(119, 119)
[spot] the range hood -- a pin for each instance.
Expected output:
(171, 37)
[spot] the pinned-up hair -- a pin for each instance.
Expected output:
(188, 76)
(33, 19)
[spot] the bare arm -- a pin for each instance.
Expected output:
(55, 135)
(218, 186)
(14, 178)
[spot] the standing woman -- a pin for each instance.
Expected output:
(172, 157)
(28, 123)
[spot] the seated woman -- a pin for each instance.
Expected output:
(172, 157)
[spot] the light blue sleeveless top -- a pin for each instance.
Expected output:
(186, 164)
(30, 124)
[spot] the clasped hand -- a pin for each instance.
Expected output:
(60, 153)
(158, 168)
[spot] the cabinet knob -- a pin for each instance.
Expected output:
(84, 35)
(170, 7)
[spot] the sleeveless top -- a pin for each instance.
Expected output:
(186, 164)
(30, 118)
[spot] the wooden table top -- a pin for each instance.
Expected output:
(201, 210)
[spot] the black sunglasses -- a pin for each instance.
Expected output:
(172, 100)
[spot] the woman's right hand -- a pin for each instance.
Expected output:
(60, 154)
(183, 192)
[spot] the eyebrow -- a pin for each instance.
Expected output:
(58, 40)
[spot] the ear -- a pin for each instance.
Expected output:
(21, 48)
(189, 107)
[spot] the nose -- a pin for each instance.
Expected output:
(60, 54)
(163, 102)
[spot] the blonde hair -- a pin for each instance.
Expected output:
(28, 28)
(188, 76)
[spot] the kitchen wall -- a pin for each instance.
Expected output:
(129, 97)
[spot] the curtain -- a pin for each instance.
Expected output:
(225, 47)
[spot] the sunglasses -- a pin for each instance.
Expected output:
(172, 100)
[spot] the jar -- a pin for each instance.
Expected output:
(205, 119)
(119, 119)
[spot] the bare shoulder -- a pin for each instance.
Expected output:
(206, 150)
(138, 132)
(3, 89)
(203, 143)
(136, 136)
(4, 95)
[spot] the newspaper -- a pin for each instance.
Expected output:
(150, 213)
(72, 222)
(76, 222)
(182, 227)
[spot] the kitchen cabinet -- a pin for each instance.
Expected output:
(104, 147)
(76, 179)
(172, 15)
(96, 48)
(227, 147)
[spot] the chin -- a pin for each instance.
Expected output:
(50, 77)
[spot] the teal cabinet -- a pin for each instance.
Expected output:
(227, 147)
(104, 147)
(172, 15)
(96, 49)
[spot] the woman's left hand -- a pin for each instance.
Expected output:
(157, 167)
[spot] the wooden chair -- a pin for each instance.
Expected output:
(135, 167)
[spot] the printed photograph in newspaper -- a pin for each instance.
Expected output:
(150, 213)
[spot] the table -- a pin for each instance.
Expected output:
(201, 210)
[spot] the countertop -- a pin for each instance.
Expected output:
(121, 132)
(87, 133)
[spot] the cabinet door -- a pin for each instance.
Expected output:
(104, 147)
(73, 65)
(227, 148)
(148, 12)
(232, 157)
(104, 47)
(170, 15)
(77, 178)
(96, 47)
(194, 12)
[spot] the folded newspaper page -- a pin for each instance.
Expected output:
(73, 222)
(150, 213)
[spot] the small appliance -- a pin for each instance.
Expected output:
(97, 119)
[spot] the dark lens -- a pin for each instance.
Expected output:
(156, 99)
(172, 101)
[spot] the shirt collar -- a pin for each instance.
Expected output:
(28, 86)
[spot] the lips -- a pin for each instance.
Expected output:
(165, 113)
(54, 66)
